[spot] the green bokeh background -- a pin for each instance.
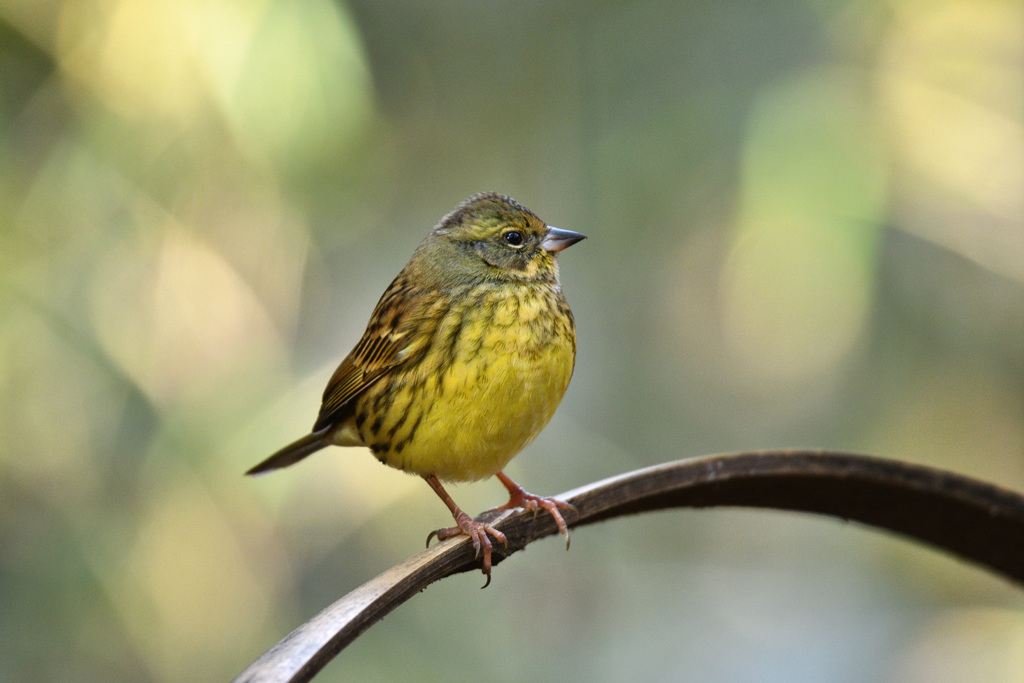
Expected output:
(806, 224)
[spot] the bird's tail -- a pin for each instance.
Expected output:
(293, 452)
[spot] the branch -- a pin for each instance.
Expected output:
(979, 522)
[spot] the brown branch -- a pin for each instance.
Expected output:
(979, 522)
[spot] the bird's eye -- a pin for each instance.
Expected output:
(513, 238)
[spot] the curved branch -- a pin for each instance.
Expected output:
(979, 522)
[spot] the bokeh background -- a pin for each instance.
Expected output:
(806, 224)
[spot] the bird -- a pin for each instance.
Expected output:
(464, 360)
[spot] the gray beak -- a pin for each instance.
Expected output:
(557, 239)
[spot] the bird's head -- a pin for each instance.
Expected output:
(494, 237)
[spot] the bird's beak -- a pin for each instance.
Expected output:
(557, 239)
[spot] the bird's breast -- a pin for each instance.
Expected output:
(498, 363)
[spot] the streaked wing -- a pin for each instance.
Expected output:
(377, 353)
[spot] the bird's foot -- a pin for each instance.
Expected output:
(477, 532)
(520, 498)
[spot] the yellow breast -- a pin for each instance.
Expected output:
(497, 368)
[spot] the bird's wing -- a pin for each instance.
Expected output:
(377, 353)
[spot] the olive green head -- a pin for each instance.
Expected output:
(493, 237)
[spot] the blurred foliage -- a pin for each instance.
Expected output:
(807, 228)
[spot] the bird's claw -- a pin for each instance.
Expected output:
(477, 532)
(534, 503)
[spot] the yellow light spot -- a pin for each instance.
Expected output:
(798, 283)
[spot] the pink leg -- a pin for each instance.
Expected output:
(477, 531)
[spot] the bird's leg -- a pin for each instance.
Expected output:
(518, 497)
(477, 531)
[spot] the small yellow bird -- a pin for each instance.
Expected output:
(464, 360)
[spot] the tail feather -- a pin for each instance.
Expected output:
(293, 452)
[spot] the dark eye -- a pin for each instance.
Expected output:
(513, 237)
